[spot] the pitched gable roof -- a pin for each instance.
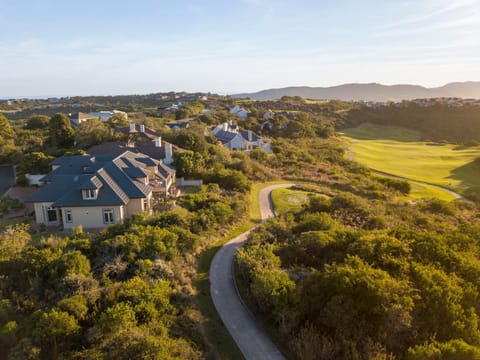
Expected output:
(118, 179)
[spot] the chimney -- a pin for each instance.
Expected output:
(168, 154)
(249, 135)
(132, 127)
(225, 126)
(158, 142)
(142, 128)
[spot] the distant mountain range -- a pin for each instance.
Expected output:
(370, 92)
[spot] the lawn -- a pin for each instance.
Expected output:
(285, 199)
(400, 152)
(422, 191)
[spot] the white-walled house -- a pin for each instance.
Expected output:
(231, 136)
(239, 111)
(107, 115)
(96, 191)
(79, 117)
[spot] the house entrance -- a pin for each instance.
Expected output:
(52, 215)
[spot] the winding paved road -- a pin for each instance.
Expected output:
(242, 326)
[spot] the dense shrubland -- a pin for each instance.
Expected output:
(123, 293)
(357, 274)
(347, 278)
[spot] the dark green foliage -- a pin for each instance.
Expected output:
(35, 163)
(91, 132)
(61, 132)
(187, 163)
(120, 294)
(37, 122)
(348, 293)
(230, 180)
(400, 185)
(438, 122)
(440, 207)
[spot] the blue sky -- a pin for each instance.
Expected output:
(60, 47)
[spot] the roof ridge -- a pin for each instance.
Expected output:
(113, 184)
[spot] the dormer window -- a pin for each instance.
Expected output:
(89, 194)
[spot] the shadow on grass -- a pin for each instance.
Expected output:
(469, 177)
(369, 131)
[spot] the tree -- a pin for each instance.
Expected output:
(60, 131)
(118, 120)
(6, 130)
(91, 132)
(190, 140)
(7, 137)
(35, 163)
(12, 240)
(187, 163)
(75, 305)
(37, 122)
(117, 318)
(52, 330)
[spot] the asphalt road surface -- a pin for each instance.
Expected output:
(242, 326)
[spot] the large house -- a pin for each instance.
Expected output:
(107, 115)
(79, 117)
(96, 191)
(231, 136)
(139, 139)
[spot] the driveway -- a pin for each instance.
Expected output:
(242, 326)
(7, 178)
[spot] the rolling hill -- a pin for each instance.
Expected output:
(370, 92)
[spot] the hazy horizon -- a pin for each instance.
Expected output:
(120, 47)
(33, 97)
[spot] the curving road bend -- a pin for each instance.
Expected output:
(242, 326)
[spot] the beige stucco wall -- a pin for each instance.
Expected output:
(134, 206)
(40, 216)
(91, 217)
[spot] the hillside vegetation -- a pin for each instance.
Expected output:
(358, 272)
(435, 123)
(402, 285)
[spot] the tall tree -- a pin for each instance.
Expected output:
(6, 130)
(91, 132)
(61, 132)
(7, 137)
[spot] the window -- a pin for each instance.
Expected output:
(108, 216)
(89, 194)
(68, 216)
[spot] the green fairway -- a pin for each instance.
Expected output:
(399, 151)
(421, 191)
(285, 199)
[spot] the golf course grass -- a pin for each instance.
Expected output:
(400, 152)
(285, 199)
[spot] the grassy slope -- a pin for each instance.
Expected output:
(421, 191)
(400, 152)
(285, 199)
